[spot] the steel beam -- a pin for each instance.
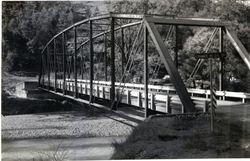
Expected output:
(91, 57)
(64, 62)
(41, 70)
(211, 94)
(176, 46)
(221, 65)
(118, 28)
(122, 51)
(127, 16)
(75, 61)
(185, 22)
(105, 58)
(172, 70)
(112, 49)
(48, 64)
(210, 55)
(82, 63)
(55, 68)
(145, 36)
(77, 24)
(239, 46)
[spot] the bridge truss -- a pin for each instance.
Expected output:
(69, 60)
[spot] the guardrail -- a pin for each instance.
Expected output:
(134, 95)
(170, 89)
(162, 98)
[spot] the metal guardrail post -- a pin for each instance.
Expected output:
(168, 108)
(139, 99)
(97, 91)
(128, 97)
(86, 89)
(81, 88)
(152, 101)
(103, 92)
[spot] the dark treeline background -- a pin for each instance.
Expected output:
(27, 26)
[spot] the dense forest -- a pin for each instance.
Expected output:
(27, 26)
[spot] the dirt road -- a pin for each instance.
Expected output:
(61, 149)
(72, 135)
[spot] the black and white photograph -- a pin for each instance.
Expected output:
(125, 79)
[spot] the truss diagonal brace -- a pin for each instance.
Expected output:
(170, 66)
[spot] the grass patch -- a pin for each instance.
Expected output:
(183, 137)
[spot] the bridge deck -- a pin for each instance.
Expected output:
(159, 99)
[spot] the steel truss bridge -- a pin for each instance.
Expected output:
(69, 62)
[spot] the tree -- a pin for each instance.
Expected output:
(28, 26)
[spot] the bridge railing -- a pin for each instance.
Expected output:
(133, 94)
(224, 95)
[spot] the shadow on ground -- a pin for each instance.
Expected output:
(190, 137)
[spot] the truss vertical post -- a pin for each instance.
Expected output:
(122, 47)
(41, 70)
(75, 60)
(105, 57)
(82, 63)
(55, 67)
(112, 49)
(176, 46)
(221, 65)
(211, 95)
(91, 56)
(64, 63)
(48, 64)
(145, 36)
